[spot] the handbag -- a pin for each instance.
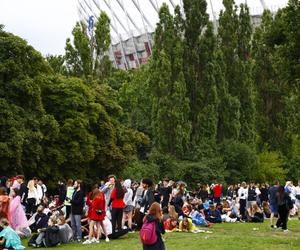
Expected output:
(99, 211)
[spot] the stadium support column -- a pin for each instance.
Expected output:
(137, 5)
(129, 17)
(264, 5)
(131, 35)
(119, 35)
(154, 6)
(215, 22)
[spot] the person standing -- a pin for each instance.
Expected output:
(77, 204)
(284, 204)
(128, 200)
(117, 204)
(69, 195)
(217, 192)
(32, 198)
(23, 190)
(243, 196)
(108, 188)
(96, 215)
(252, 195)
(146, 201)
(165, 192)
(273, 201)
(296, 193)
(155, 217)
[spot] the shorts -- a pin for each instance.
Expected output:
(128, 209)
(297, 202)
(274, 208)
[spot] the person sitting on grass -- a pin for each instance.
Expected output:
(65, 231)
(46, 237)
(213, 215)
(170, 225)
(39, 220)
(266, 209)
(255, 214)
(9, 239)
(227, 214)
(197, 217)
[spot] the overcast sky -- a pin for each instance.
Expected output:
(46, 24)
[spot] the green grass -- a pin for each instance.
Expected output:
(225, 236)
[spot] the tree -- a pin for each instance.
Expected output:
(171, 128)
(102, 64)
(57, 64)
(234, 35)
(79, 56)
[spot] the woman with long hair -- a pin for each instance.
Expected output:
(155, 216)
(18, 222)
(32, 199)
(97, 215)
(172, 212)
(117, 204)
(284, 205)
(4, 204)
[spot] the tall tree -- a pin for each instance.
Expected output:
(171, 128)
(234, 41)
(102, 64)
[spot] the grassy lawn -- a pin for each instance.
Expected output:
(225, 236)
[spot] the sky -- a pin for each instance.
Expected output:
(46, 24)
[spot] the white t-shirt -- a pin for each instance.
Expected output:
(296, 191)
(243, 193)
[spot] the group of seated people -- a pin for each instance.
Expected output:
(196, 214)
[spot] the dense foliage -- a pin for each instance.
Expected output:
(210, 105)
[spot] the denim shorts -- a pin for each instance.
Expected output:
(274, 208)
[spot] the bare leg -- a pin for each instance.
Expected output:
(129, 219)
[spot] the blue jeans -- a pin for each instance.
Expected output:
(76, 226)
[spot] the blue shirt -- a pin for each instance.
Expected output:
(272, 195)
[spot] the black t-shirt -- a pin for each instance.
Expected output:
(165, 192)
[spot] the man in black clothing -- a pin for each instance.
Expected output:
(77, 204)
(165, 192)
(23, 190)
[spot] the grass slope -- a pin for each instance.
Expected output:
(225, 236)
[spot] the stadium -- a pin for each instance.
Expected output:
(133, 23)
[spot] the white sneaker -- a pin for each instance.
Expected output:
(106, 239)
(96, 241)
(87, 242)
(93, 240)
(286, 231)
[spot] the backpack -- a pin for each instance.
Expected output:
(148, 233)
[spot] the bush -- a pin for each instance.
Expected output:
(270, 167)
(241, 162)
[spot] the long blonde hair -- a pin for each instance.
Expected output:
(172, 212)
(30, 185)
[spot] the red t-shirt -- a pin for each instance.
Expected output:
(217, 191)
(116, 202)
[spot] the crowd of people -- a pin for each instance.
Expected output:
(111, 210)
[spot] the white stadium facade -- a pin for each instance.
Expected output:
(133, 23)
